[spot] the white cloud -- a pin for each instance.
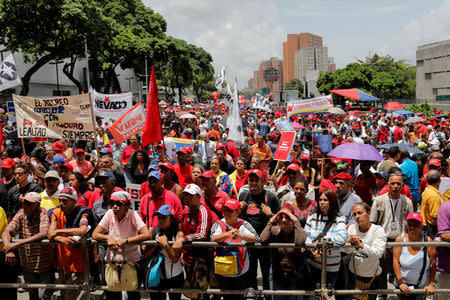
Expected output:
(238, 34)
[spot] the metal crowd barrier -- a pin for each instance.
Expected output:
(321, 291)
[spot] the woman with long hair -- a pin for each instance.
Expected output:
(139, 163)
(329, 171)
(238, 178)
(324, 223)
(223, 181)
(170, 179)
(80, 185)
(302, 207)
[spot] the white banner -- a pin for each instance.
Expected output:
(135, 192)
(9, 74)
(261, 103)
(61, 117)
(296, 107)
(444, 188)
(111, 107)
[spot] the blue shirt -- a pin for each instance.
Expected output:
(411, 171)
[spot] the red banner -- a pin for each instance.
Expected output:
(128, 124)
(285, 145)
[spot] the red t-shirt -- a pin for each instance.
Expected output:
(84, 168)
(405, 191)
(217, 202)
(126, 154)
(83, 200)
(97, 194)
(184, 174)
(398, 134)
(363, 185)
(149, 205)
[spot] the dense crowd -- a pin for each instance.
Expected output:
(212, 189)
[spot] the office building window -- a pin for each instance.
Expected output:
(427, 76)
(61, 93)
(435, 91)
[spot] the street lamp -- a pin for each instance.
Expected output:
(56, 63)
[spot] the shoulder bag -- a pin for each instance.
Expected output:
(121, 275)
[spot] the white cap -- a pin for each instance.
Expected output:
(192, 189)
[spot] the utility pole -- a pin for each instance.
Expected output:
(87, 64)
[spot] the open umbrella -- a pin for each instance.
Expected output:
(356, 151)
(296, 125)
(413, 120)
(355, 94)
(393, 106)
(336, 111)
(410, 149)
(187, 116)
(442, 116)
(403, 112)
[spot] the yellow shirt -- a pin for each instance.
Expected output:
(3, 224)
(49, 202)
(431, 201)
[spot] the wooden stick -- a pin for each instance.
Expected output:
(94, 126)
(23, 147)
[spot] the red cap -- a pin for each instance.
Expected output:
(8, 163)
(414, 216)
(273, 135)
(256, 172)
(232, 204)
(305, 156)
(68, 166)
(435, 162)
(79, 151)
(293, 167)
(220, 145)
(58, 146)
(161, 145)
(167, 165)
(343, 176)
(208, 174)
(188, 149)
(182, 150)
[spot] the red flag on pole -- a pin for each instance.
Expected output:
(152, 127)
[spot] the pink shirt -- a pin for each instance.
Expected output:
(84, 168)
(128, 227)
(149, 205)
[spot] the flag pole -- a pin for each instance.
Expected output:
(94, 126)
(23, 147)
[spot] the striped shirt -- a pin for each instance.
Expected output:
(35, 258)
(336, 234)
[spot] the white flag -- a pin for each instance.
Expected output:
(261, 103)
(220, 78)
(9, 74)
(234, 121)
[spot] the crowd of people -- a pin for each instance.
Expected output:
(212, 189)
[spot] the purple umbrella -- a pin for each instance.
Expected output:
(356, 151)
(297, 126)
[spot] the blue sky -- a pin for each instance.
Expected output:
(241, 33)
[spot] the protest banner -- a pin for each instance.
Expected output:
(11, 112)
(128, 124)
(59, 117)
(323, 140)
(262, 103)
(444, 188)
(181, 143)
(285, 145)
(297, 107)
(111, 107)
(135, 192)
(283, 125)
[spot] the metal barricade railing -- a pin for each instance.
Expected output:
(322, 291)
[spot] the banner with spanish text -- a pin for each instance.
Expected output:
(59, 117)
(111, 106)
(305, 106)
(129, 124)
(285, 145)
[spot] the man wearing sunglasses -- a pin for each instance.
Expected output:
(32, 224)
(69, 223)
(23, 186)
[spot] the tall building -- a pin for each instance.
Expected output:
(256, 84)
(250, 84)
(273, 62)
(310, 58)
(293, 43)
(331, 64)
(433, 72)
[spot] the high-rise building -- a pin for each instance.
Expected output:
(293, 43)
(256, 84)
(277, 64)
(310, 58)
(250, 84)
(331, 64)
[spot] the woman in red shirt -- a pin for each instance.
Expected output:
(126, 154)
(330, 171)
(238, 177)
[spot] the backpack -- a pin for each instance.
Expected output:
(153, 276)
(229, 260)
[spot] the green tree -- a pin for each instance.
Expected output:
(203, 71)
(297, 84)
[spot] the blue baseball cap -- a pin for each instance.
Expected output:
(164, 210)
(153, 167)
(59, 159)
(154, 174)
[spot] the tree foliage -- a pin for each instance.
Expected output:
(118, 33)
(380, 76)
(422, 107)
(297, 84)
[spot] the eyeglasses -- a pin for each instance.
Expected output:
(114, 203)
(20, 173)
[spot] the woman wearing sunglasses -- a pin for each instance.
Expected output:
(125, 230)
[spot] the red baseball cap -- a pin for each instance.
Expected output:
(182, 150)
(161, 145)
(220, 145)
(167, 165)
(232, 204)
(188, 149)
(208, 174)
(305, 156)
(256, 172)
(435, 162)
(79, 151)
(293, 167)
(414, 216)
(8, 163)
(343, 176)
(58, 146)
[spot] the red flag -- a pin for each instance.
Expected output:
(152, 127)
